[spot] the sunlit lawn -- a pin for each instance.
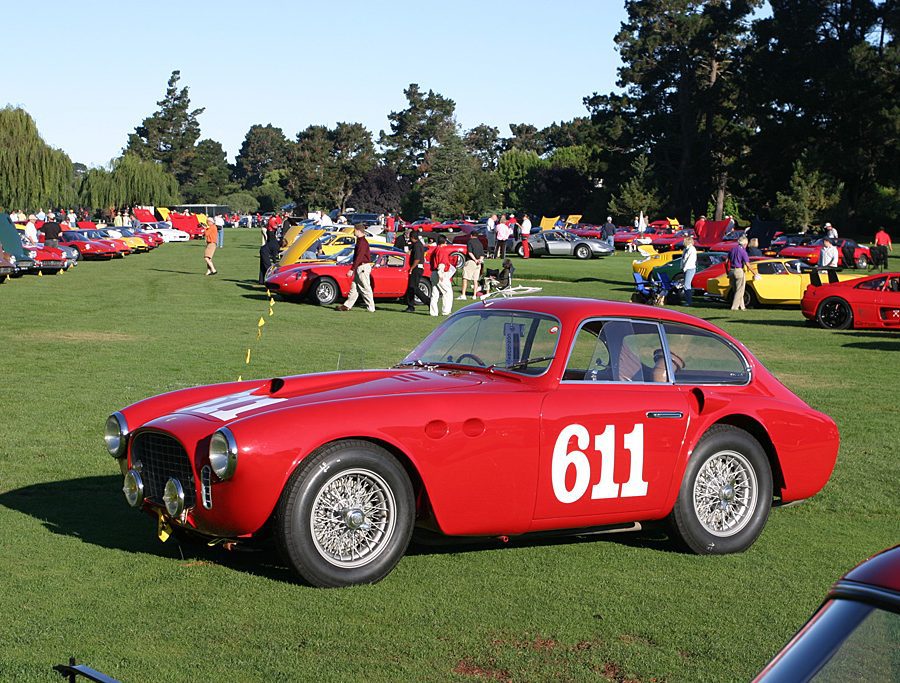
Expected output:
(83, 575)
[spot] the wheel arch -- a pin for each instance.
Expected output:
(755, 429)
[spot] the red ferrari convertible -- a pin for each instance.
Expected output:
(514, 416)
(872, 301)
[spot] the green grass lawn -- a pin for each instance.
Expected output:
(83, 575)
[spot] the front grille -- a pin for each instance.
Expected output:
(163, 457)
(51, 264)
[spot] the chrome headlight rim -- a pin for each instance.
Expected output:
(173, 497)
(223, 453)
(117, 440)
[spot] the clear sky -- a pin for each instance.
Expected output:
(90, 71)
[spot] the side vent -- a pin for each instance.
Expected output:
(411, 377)
(206, 486)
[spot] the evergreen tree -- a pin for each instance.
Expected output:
(425, 123)
(168, 135)
(265, 149)
(483, 142)
(208, 175)
(353, 155)
(811, 195)
(525, 138)
(638, 193)
(515, 169)
(452, 187)
(32, 174)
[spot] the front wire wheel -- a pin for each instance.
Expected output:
(353, 519)
(725, 493)
(346, 515)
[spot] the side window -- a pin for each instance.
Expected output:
(877, 283)
(701, 357)
(617, 351)
(395, 260)
(894, 284)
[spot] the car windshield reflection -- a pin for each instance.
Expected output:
(523, 343)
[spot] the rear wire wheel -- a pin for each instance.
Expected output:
(725, 494)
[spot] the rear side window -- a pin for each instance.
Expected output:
(701, 357)
(617, 351)
(877, 283)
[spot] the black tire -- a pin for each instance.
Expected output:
(750, 298)
(834, 313)
(424, 293)
(325, 291)
(729, 446)
(862, 261)
(583, 252)
(520, 250)
(679, 277)
(345, 464)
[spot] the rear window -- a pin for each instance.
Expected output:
(702, 357)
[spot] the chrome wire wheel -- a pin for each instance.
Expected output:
(725, 493)
(353, 518)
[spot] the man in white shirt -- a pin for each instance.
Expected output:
(31, 231)
(689, 268)
(829, 256)
(526, 231)
(830, 232)
(220, 229)
(491, 236)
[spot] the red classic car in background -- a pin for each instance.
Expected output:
(327, 282)
(854, 635)
(513, 416)
(850, 254)
(872, 301)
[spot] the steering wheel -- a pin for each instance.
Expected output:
(473, 357)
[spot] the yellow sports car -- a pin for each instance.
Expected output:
(333, 244)
(771, 282)
(645, 265)
(134, 243)
(299, 246)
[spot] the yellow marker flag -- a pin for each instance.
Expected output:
(259, 334)
(240, 378)
(40, 273)
(261, 322)
(271, 312)
(248, 357)
(163, 529)
(60, 271)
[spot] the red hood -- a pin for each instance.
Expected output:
(299, 390)
(709, 232)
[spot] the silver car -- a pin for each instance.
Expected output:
(565, 243)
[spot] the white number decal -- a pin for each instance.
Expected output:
(229, 407)
(605, 444)
(563, 457)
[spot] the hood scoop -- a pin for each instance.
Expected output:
(410, 377)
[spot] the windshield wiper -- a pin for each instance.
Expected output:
(407, 363)
(521, 363)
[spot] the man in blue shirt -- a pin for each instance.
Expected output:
(737, 263)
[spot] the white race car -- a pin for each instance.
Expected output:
(166, 231)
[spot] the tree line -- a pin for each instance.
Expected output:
(794, 116)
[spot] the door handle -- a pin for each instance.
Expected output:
(667, 414)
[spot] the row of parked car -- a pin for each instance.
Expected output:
(19, 255)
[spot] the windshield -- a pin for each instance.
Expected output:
(511, 340)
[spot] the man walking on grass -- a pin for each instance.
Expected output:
(361, 272)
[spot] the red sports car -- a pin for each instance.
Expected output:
(673, 240)
(727, 243)
(46, 259)
(326, 283)
(514, 416)
(88, 248)
(621, 240)
(872, 301)
(861, 256)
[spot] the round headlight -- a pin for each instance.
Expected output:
(133, 488)
(173, 497)
(223, 453)
(115, 435)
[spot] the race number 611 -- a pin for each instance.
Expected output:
(605, 444)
